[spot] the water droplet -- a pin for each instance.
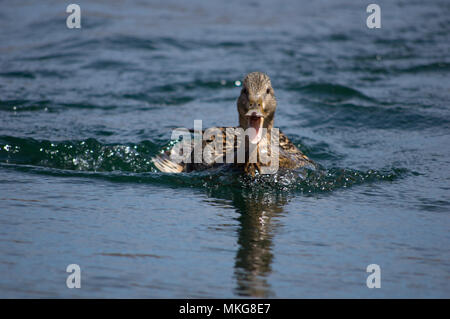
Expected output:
(237, 83)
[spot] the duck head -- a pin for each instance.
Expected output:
(256, 104)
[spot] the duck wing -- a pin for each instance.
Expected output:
(291, 156)
(212, 154)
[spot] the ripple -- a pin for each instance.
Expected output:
(431, 67)
(107, 65)
(330, 91)
(18, 74)
(130, 255)
(331, 114)
(20, 105)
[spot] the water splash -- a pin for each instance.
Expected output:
(84, 155)
(132, 163)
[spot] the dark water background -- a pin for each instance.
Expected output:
(83, 111)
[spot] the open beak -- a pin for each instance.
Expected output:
(255, 120)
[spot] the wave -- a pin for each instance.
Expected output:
(132, 163)
(83, 155)
(330, 91)
(431, 67)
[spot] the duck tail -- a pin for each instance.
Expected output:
(164, 163)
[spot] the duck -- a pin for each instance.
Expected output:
(254, 137)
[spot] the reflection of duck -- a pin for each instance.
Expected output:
(256, 107)
(253, 264)
(260, 216)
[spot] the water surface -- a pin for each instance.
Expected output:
(82, 112)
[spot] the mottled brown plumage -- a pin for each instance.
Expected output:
(256, 108)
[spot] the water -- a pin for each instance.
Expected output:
(83, 111)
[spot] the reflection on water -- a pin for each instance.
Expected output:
(257, 211)
(82, 112)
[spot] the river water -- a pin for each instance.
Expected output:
(82, 112)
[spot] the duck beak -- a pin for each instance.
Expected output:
(256, 108)
(254, 112)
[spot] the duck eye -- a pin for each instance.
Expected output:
(268, 91)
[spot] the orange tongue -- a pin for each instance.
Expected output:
(255, 123)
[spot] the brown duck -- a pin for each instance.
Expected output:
(256, 107)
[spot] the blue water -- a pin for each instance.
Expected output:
(83, 111)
